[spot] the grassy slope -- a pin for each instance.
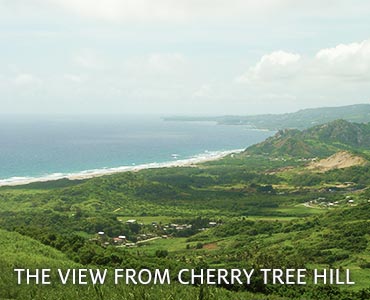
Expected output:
(18, 251)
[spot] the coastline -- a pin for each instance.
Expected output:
(86, 174)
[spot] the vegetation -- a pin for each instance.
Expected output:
(263, 208)
(318, 141)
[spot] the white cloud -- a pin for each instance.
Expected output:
(74, 78)
(25, 79)
(156, 63)
(89, 59)
(117, 10)
(276, 65)
(342, 62)
(332, 76)
(173, 10)
(204, 91)
(165, 61)
(345, 60)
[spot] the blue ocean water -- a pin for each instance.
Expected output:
(40, 146)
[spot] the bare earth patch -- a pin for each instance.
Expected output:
(211, 246)
(339, 160)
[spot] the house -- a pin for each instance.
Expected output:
(132, 221)
(101, 236)
(119, 240)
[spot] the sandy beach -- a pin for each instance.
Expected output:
(192, 161)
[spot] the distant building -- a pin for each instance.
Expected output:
(119, 240)
(131, 221)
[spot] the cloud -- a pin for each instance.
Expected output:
(156, 63)
(165, 61)
(342, 62)
(25, 79)
(274, 66)
(204, 91)
(144, 10)
(74, 78)
(179, 10)
(345, 60)
(336, 75)
(89, 59)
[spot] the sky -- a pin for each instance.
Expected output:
(183, 57)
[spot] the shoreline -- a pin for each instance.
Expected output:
(86, 174)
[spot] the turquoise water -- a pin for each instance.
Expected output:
(41, 146)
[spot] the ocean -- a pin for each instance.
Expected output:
(52, 146)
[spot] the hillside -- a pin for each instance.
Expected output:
(301, 119)
(318, 141)
(23, 251)
(19, 251)
(341, 132)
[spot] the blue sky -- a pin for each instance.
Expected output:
(182, 57)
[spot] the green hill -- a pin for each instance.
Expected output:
(20, 250)
(318, 141)
(342, 132)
